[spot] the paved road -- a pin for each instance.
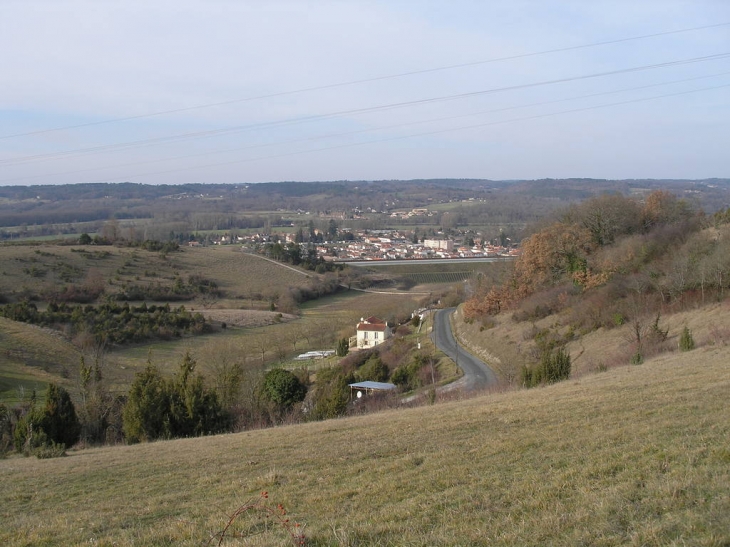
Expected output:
(477, 374)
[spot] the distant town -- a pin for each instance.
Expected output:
(342, 245)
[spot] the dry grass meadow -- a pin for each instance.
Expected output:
(507, 344)
(30, 358)
(42, 267)
(636, 455)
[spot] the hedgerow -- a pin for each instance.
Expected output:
(112, 322)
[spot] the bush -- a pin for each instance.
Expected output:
(407, 377)
(46, 432)
(343, 347)
(332, 393)
(145, 411)
(686, 340)
(554, 366)
(60, 421)
(374, 370)
(180, 407)
(49, 450)
(283, 388)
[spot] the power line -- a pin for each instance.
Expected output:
(368, 130)
(435, 132)
(365, 80)
(290, 121)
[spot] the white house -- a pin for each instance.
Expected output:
(370, 332)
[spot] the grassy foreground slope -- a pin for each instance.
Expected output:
(636, 455)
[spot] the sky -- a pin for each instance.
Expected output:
(224, 91)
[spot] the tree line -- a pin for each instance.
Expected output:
(111, 322)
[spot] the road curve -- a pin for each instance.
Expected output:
(477, 374)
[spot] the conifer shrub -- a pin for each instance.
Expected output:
(686, 340)
(374, 370)
(343, 347)
(180, 407)
(46, 432)
(554, 366)
(332, 393)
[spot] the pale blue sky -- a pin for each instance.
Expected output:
(67, 63)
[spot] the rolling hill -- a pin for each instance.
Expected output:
(636, 455)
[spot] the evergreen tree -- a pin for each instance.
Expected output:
(145, 415)
(59, 422)
(194, 410)
(686, 340)
(343, 347)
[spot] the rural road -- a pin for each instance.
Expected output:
(477, 374)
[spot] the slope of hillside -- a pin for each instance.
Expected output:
(636, 455)
(506, 345)
(30, 358)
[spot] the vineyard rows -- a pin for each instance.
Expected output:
(438, 277)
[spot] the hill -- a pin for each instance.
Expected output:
(636, 455)
(30, 358)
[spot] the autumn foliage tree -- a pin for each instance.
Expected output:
(575, 250)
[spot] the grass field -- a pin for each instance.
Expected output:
(632, 456)
(30, 357)
(34, 268)
(239, 274)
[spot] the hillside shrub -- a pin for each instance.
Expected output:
(283, 388)
(180, 407)
(374, 370)
(332, 393)
(686, 340)
(60, 422)
(48, 430)
(6, 430)
(111, 322)
(407, 377)
(194, 410)
(145, 414)
(343, 347)
(554, 366)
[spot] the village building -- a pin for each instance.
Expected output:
(370, 332)
(439, 244)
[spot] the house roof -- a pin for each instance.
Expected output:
(370, 327)
(374, 320)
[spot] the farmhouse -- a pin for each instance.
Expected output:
(370, 332)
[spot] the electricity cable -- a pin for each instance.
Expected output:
(428, 133)
(290, 121)
(367, 130)
(364, 80)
